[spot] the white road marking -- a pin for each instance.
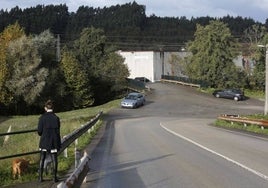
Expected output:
(216, 153)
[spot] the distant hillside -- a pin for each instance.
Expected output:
(126, 26)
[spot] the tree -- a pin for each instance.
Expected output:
(253, 37)
(11, 33)
(89, 49)
(213, 51)
(254, 34)
(77, 80)
(115, 71)
(257, 79)
(27, 78)
(111, 81)
(177, 65)
(104, 69)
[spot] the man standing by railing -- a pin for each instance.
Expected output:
(50, 141)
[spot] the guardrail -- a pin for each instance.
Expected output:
(19, 154)
(81, 171)
(78, 176)
(185, 81)
(236, 118)
(18, 132)
(181, 83)
(66, 141)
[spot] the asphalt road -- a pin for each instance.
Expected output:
(169, 143)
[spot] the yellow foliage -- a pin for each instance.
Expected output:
(10, 33)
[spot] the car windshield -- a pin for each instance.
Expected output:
(237, 91)
(133, 97)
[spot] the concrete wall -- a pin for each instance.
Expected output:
(140, 64)
(157, 66)
(152, 64)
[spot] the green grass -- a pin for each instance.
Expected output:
(254, 94)
(248, 93)
(28, 142)
(240, 126)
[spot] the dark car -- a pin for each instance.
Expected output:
(142, 79)
(133, 100)
(235, 94)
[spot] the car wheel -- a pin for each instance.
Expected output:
(236, 98)
(217, 95)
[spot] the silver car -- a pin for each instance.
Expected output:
(133, 100)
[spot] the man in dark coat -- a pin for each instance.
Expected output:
(50, 140)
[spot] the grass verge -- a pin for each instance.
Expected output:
(248, 93)
(240, 126)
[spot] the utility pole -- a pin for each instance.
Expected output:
(58, 48)
(266, 81)
(162, 60)
(266, 78)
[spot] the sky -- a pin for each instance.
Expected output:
(255, 9)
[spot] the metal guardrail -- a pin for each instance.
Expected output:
(236, 118)
(78, 176)
(181, 83)
(184, 80)
(66, 141)
(18, 132)
(19, 155)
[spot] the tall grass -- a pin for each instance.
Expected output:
(28, 142)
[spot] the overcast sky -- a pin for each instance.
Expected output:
(255, 9)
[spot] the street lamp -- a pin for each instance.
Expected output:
(266, 78)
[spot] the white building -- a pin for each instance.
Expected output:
(153, 64)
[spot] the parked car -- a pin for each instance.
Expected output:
(235, 94)
(133, 100)
(142, 79)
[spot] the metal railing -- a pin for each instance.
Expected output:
(78, 176)
(18, 132)
(243, 120)
(66, 141)
(184, 81)
(19, 154)
(181, 83)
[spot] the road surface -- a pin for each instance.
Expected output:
(169, 143)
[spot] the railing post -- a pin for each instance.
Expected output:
(77, 156)
(65, 152)
(7, 136)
